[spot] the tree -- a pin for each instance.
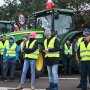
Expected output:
(11, 9)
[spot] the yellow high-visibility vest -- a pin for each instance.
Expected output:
(21, 46)
(68, 50)
(33, 55)
(11, 51)
(1, 46)
(50, 46)
(79, 41)
(85, 52)
(5, 44)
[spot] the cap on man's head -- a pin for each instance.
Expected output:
(33, 34)
(47, 32)
(25, 36)
(86, 32)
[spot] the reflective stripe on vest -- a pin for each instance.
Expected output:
(68, 50)
(33, 55)
(1, 46)
(21, 46)
(51, 45)
(11, 51)
(85, 52)
(5, 44)
(79, 41)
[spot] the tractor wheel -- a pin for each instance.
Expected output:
(40, 65)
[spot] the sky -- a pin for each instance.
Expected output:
(1, 2)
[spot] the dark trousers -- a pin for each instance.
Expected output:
(67, 65)
(6, 65)
(1, 63)
(21, 63)
(21, 60)
(84, 72)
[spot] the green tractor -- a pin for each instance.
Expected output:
(60, 21)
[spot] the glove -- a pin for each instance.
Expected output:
(27, 51)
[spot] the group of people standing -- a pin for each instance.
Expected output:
(28, 49)
(11, 52)
(83, 56)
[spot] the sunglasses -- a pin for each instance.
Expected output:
(30, 35)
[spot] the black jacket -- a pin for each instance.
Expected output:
(53, 60)
(28, 50)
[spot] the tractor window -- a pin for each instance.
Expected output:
(63, 24)
(44, 22)
(9, 27)
(5, 28)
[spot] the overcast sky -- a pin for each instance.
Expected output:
(1, 2)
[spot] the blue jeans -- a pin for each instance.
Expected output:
(53, 73)
(85, 71)
(6, 65)
(32, 64)
(67, 65)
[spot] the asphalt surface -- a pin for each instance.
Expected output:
(65, 83)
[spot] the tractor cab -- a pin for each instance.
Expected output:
(59, 21)
(6, 27)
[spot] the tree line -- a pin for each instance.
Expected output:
(11, 9)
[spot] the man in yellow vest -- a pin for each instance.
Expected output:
(22, 47)
(67, 55)
(51, 49)
(10, 55)
(84, 57)
(4, 42)
(31, 55)
(1, 59)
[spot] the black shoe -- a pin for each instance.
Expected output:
(65, 73)
(3, 79)
(11, 79)
(79, 86)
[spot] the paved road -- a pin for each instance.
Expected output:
(65, 83)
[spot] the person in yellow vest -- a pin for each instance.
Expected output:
(10, 55)
(22, 48)
(3, 43)
(67, 55)
(1, 59)
(31, 55)
(51, 49)
(84, 57)
(78, 43)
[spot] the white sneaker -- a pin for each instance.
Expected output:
(19, 87)
(32, 87)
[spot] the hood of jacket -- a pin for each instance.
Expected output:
(13, 38)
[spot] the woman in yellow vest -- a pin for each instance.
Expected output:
(51, 45)
(10, 55)
(31, 55)
(67, 55)
(84, 57)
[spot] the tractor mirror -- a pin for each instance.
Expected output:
(56, 15)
